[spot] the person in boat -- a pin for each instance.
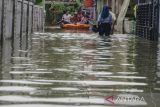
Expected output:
(104, 22)
(80, 15)
(66, 18)
(75, 18)
(84, 20)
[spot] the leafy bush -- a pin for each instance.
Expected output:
(39, 2)
(59, 7)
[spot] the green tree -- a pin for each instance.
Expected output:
(40, 2)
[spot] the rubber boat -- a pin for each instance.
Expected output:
(75, 26)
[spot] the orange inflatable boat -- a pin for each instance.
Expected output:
(75, 26)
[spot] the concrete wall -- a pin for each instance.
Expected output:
(129, 26)
(38, 18)
(16, 19)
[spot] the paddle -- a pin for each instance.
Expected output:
(59, 22)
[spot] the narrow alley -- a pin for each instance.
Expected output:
(79, 53)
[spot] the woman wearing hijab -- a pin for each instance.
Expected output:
(104, 22)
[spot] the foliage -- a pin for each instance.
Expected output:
(70, 8)
(39, 2)
(78, 4)
(59, 7)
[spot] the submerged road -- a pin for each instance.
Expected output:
(79, 69)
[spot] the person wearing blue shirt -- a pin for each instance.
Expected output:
(104, 22)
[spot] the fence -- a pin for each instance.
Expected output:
(147, 22)
(18, 18)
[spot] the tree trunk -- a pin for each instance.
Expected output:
(122, 15)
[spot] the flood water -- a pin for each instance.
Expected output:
(79, 69)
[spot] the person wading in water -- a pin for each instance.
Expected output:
(104, 22)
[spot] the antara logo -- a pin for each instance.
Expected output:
(124, 99)
(110, 99)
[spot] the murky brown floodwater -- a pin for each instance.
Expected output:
(78, 69)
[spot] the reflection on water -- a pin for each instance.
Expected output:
(79, 69)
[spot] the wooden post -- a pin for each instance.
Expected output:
(27, 25)
(32, 27)
(1, 8)
(21, 20)
(13, 19)
(17, 18)
(30, 18)
(17, 27)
